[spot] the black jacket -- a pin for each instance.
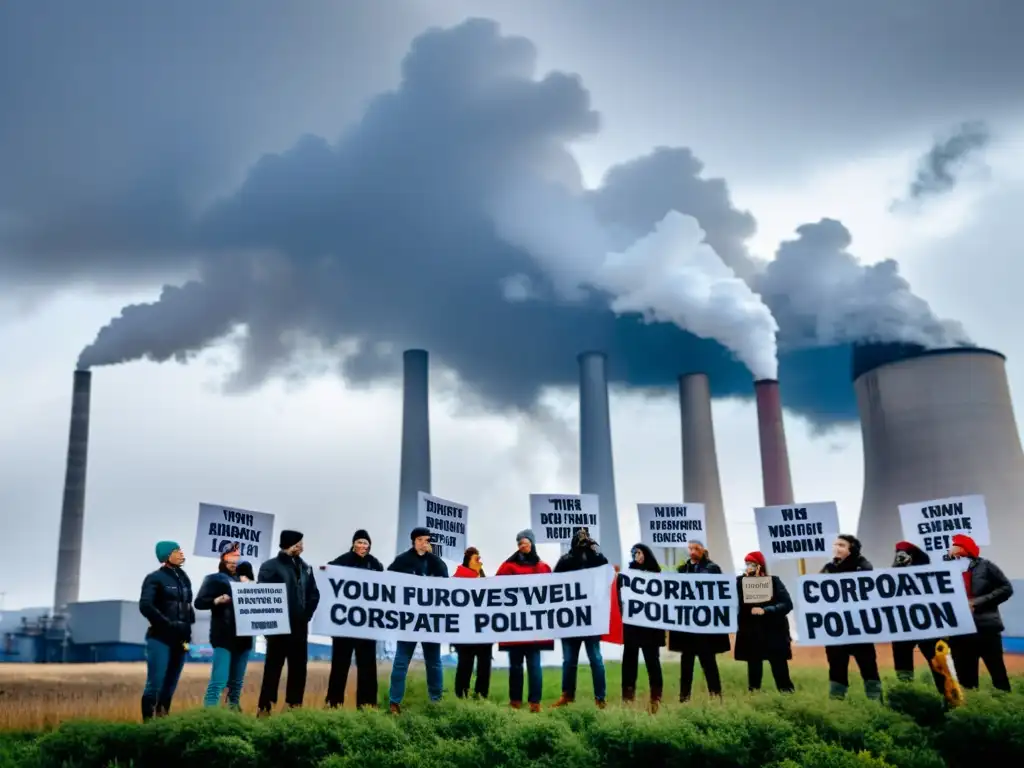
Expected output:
(989, 588)
(223, 633)
(851, 564)
(351, 560)
(415, 564)
(643, 636)
(759, 638)
(166, 602)
(578, 559)
(303, 594)
(695, 642)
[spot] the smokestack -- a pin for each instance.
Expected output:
(415, 470)
(597, 472)
(72, 515)
(701, 481)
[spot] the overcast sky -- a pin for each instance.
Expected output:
(338, 192)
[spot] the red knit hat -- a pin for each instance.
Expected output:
(967, 544)
(904, 546)
(756, 557)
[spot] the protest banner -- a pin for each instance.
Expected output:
(671, 525)
(757, 589)
(220, 529)
(260, 609)
(914, 603)
(931, 525)
(555, 517)
(396, 606)
(686, 602)
(446, 521)
(796, 531)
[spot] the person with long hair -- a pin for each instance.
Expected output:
(637, 640)
(763, 631)
(472, 568)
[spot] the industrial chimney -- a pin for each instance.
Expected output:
(936, 424)
(72, 514)
(701, 482)
(597, 472)
(415, 470)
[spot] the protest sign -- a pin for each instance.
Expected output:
(555, 517)
(396, 606)
(260, 609)
(671, 525)
(794, 531)
(221, 529)
(687, 602)
(913, 603)
(931, 525)
(446, 521)
(757, 589)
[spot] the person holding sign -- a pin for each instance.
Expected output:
(695, 646)
(472, 568)
(290, 569)
(847, 558)
(987, 589)
(342, 648)
(166, 602)
(642, 639)
(524, 562)
(907, 555)
(417, 561)
(230, 652)
(763, 631)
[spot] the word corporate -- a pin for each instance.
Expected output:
(931, 525)
(221, 529)
(395, 606)
(446, 520)
(690, 602)
(557, 517)
(671, 525)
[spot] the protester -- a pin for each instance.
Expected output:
(166, 602)
(523, 562)
(847, 558)
(342, 648)
(987, 589)
(583, 553)
(417, 561)
(763, 629)
(696, 646)
(637, 640)
(472, 568)
(290, 569)
(903, 650)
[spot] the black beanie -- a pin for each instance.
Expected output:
(361, 534)
(417, 532)
(289, 539)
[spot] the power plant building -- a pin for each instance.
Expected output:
(597, 471)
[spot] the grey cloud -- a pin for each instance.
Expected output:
(939, 168)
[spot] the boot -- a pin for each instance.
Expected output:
(904, 675)
(837, 690)
(534, 707)
(599, 703)
(162, 710)
(628, 694)
(873, 689)
(516, 704)
(655, 702)
(148, 708)
(564, 700)
(395, 709)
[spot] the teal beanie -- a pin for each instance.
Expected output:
(164, 550)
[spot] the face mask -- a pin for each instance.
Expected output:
(902, 559)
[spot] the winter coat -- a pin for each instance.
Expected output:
(223, 633)
(579, 559)
(760, 638)
(643, 636)
(853, 563)
(299, 584)
(351, 560)
(464, 572)
(695, 642)
(517, 565)
(415, 564)
(166, 602)
(988, 589)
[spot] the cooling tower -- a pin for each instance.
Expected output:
(597, 473)
(701, 482)
(72, 514)
(415, 470)
(936, 424)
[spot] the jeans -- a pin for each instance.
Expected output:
(400, 669)
(708, 663)
(570, 662)
(464, 671)
(903, 661)
(163, 669)
(342, 649)
(516, 657)
(780, 671)
(294, 649)
(227, 671)
(839, 662)
(969, 650)
(630, 668)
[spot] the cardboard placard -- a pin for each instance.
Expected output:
(757, 589)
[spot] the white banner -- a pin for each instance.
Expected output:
(555, 517)
(931, 525)
(702, 603)
(396, 606)
(260, 609)
(795, 531)
(923, 602)
(446, 521)
(221, 528)
(671, 525)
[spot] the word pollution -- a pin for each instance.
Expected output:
(260, 609)
(686, 602)
(893, 604)
(446, 521)
(671, 525)
(395, 606)
(222, 529)
(931, 525)
(555, 518)
(788, 532)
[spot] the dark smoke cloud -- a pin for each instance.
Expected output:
(386, 238)
(938, 169)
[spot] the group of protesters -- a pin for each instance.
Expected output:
(763, 633)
